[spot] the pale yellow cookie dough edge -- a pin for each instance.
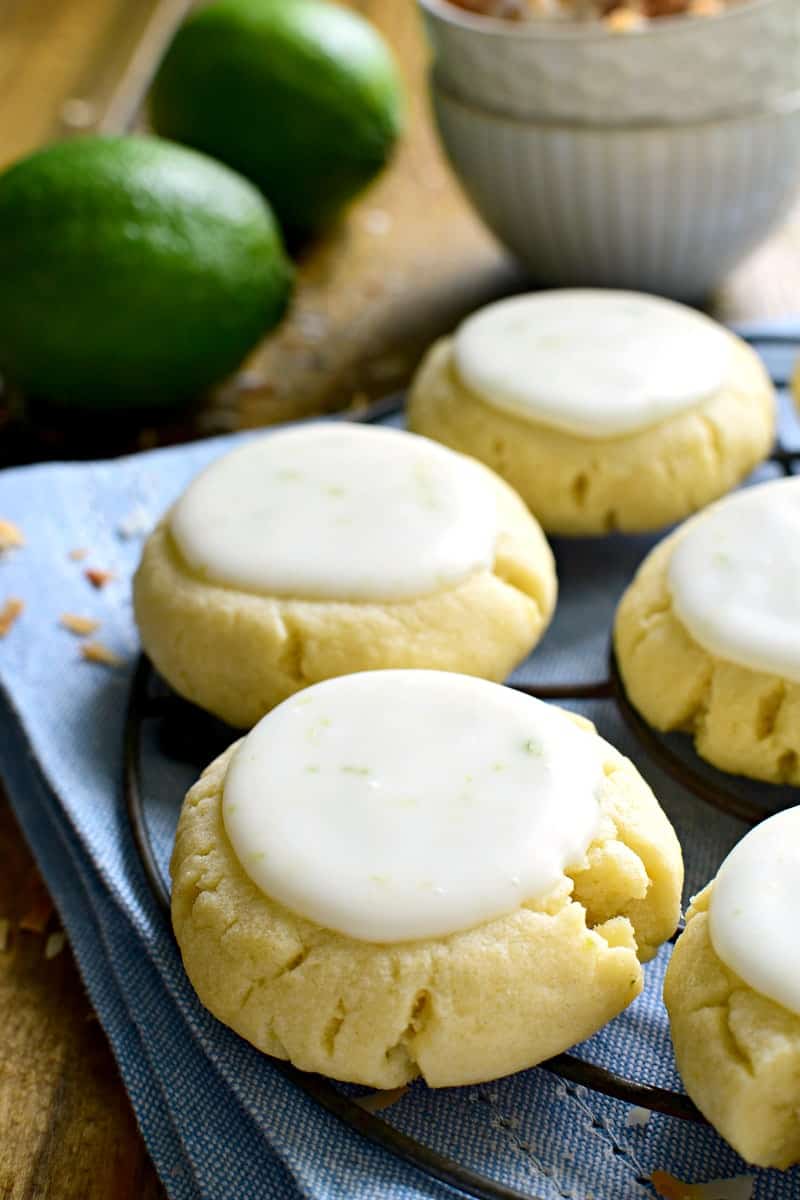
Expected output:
(238, 654)
(743, 721)
(578, 486)
(473, 1006)
(738, 1052)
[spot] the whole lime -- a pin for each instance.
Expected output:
(301, 96)
(134, 272)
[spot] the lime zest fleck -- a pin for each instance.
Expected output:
(313, 732)
(351, 770)
(426, 490)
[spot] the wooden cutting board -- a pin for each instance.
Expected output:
(402, 267)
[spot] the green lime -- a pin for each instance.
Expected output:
(301, 96)
(135, 272)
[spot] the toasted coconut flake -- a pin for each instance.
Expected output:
(5, 929)
(96, 652)
(97, 578)
(55, 944)
(12, 609)
(80, 626)
(738, 1188)
(637, 1117)
(669, 1187)
(40, 911)
(11, 536)
(624, 20)
(80, 552)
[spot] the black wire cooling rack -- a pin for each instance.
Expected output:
(185, 728)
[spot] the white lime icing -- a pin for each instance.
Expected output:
(754, 911)
(396, 805)
(735, 579)
(594, 363)
(338, 512)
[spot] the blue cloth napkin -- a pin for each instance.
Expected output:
(219, 1120)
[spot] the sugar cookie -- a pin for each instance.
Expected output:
(732, 989)
(331, 548)
(482, 872)
(707, 637)
(605, 410)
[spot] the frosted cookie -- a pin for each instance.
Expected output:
(605, 410)
(707, 635)
(333, 548)
(482, 871)
(733, 994)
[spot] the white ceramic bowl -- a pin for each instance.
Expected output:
(676, 69)
(667, 209)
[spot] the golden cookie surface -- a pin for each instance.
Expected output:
(580, 485)
(238, 654)
(471, 1006)
(742, 720)
(737, 1051)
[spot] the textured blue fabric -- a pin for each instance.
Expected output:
(220, 1122)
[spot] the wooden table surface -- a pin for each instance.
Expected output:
(406, 262)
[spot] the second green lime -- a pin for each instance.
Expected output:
(301, 96)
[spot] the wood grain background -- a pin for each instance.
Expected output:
(404, 264)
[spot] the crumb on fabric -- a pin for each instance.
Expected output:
(55, 944)
(80, 552)
(97, 578)
(637, 1117)
(669, 1187)
(11, 536)
(11, 610)
(96, 652)
(80, 626)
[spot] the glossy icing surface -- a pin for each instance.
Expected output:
(592, 362)
(398, 805)
(338, 512)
